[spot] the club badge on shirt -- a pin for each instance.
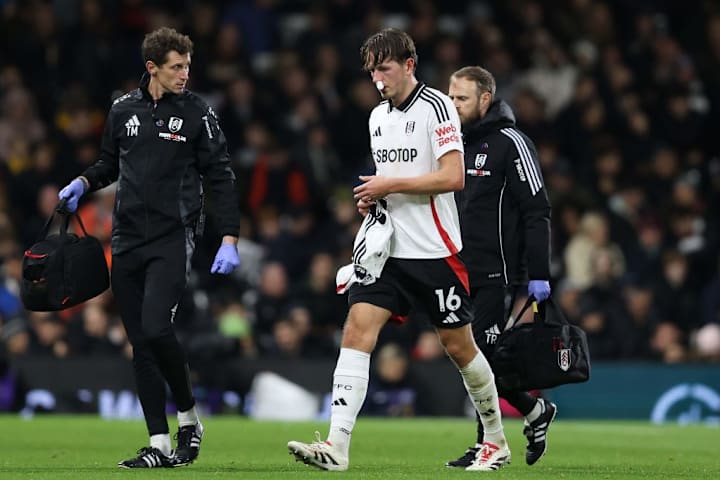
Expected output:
(478, 171)
(175, 124)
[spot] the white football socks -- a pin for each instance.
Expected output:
(189, 417)
(161, 441)
(480, 384)
(350, 382)
(535, 413)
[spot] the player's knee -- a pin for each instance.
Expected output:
(357, 337)
(454, 350)
(458, 344)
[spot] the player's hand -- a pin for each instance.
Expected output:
(373, 188)
(540, 289)
(71, 194)
(226, 259)
(363, 206)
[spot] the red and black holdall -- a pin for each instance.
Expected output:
(63, 269)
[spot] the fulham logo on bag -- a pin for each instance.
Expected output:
(564, 359)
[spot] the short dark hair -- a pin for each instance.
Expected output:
(387, 44)
(159, 43)
(483, 79)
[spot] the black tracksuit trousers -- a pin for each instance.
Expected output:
(491, 305)
(148, 283)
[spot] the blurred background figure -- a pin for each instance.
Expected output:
(390, 391)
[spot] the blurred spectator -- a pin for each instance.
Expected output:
(19, 127)
(90, 333)
(707, 342)
(287, 339)
(10, 281)
(48, 337)
(229, 336)
(46, 202)
(678, 302)
(590, 256)
(643, 320)
(272, 302)
(26, 186)
(428, 347)
(317, 293)
(277, 182)
(390, 392)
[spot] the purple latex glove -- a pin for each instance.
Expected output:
(226, 259)
(540, 289)
(72, 193)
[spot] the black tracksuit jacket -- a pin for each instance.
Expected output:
(160, 153)
(504, 208)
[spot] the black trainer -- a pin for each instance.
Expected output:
(466, 460)
(188, 444)
(536, 432)
(148, 457)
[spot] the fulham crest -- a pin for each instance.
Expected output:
(175, 124)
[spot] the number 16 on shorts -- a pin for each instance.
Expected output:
(451, 301)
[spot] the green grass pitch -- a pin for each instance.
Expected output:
(86, 447)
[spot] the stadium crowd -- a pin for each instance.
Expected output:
(621, 97)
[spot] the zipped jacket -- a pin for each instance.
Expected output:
(504, 208)
(160, 153)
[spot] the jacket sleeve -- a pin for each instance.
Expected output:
(526, 186)
(105, 171)
(214, 166)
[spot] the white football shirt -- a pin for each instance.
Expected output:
(406, 141)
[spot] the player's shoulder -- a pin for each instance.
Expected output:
(430, 92)
(381, 107)
(436, 103)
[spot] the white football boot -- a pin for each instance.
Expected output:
(490, 457)
(320, 454)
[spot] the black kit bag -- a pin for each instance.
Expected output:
(62, 270)
(541, 354)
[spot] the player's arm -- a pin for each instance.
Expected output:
(448, 178)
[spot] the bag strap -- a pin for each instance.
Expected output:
(510, 323)
(82, 227)
(558, 311)
(539, 313)
(65, 215)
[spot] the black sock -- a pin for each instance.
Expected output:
(522, 401)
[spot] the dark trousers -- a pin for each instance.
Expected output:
(491, 308)
(148, 283)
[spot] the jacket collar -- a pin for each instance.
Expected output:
(498, 116)
(145, 82)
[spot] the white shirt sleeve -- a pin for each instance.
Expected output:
(444, 128)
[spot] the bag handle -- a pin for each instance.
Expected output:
(539, 313)
(66, 215)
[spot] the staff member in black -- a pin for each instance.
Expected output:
(505, 224)
(161, 142)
